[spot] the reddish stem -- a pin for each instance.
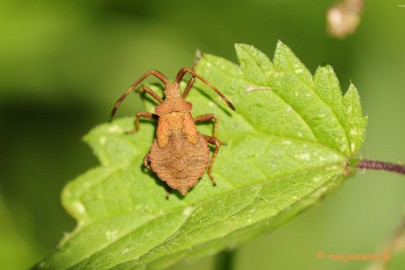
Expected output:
(380, 165)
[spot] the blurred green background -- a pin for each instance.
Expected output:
(63, 64)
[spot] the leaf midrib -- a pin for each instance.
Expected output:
(115, 169)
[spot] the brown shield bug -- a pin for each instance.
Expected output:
(179, 154)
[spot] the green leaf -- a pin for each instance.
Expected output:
(288, 144)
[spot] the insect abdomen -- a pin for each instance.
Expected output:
(180, 163)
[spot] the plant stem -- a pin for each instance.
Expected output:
(381, 165)
(225, 260)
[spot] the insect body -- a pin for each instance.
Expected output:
(179, 154)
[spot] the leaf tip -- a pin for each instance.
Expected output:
(242, 48)
(239, 46)
(323, 63)
(281, 48)
(354, 115)
(324, 69)
(280, 44)
(352, 92)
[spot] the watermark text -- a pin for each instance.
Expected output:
(348, 257)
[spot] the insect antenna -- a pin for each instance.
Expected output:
(183, 71)
(155, 73)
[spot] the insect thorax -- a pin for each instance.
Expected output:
(174, 123)
(174, 104)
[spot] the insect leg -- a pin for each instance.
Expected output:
(146, 161)
(217, 143)
(147, 115)
(152, 93)
(192, 80)
(183, 71)
(168, 192)
(155, 73)
(208, 117)
(189, 85)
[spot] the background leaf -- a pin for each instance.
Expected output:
(288, 144)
